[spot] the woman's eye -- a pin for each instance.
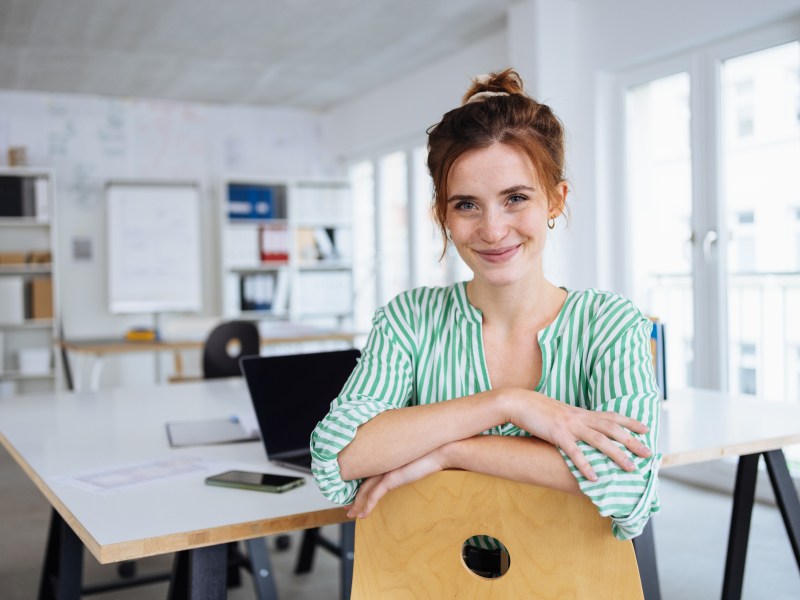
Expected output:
(465, 205)
(517, 199)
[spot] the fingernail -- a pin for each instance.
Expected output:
(648, 451)
(628, 464)
(592, 476)
(350, 514)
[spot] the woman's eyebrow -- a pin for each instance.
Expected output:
(516, 188)
(458, 197)
(510, 190)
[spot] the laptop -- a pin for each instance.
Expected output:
(290, 395)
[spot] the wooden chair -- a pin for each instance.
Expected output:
(559, 546)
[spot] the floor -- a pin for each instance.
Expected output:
(691, 535)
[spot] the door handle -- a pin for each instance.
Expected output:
(709, 239)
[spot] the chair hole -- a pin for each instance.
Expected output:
(486, 556)
(234, 347)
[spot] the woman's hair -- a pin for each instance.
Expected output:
(494, 110)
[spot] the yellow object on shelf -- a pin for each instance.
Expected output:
(139, 334)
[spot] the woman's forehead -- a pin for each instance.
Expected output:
(499, 164)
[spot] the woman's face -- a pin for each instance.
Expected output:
(497, 214)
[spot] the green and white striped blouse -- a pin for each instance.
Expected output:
(426, 346)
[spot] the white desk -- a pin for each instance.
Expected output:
(701, 425)
(56, 435)
(64, 434)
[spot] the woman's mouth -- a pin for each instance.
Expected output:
(499, 255)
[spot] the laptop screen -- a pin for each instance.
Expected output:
(291, 394)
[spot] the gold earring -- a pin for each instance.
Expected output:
(551, 223)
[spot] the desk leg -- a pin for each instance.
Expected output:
(786, 497)
(63, 562)
(261, 569)
(200, 574)
(743, 497)
(348, 533)
(645, 548)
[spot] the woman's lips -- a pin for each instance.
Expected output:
(498, 255)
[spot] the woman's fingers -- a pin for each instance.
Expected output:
(363, 496)
(620, 433)
(374, 488)
(604, 431)
(578, 458)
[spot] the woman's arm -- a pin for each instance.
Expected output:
(525, 459)
(396, 438)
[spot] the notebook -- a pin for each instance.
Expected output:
(290, 395)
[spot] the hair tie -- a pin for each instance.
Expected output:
(481, 96)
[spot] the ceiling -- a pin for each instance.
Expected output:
(310, 54)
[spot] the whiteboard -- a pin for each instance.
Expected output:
(153, 247)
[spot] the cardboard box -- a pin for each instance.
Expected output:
(40, 257)
(13, 258)
(17, 156)
(41, 298)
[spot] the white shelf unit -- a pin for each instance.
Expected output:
(287, 249)
(28, 282)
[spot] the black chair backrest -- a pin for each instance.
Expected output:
(225, 345)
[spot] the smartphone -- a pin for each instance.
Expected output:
(262, 482)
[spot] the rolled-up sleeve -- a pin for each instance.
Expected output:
(382, 380)
(621, 380)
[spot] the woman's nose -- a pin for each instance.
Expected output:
(493, 227)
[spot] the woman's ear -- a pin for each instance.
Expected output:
(558, 200)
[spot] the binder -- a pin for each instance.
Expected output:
(658, 348)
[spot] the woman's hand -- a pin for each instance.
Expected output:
(563, 426)
(374, 488)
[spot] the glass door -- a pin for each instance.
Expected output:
(712, 166)
(659, 182)
(760, 100)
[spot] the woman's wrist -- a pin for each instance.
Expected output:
(508, 402)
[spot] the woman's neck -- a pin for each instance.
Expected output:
(531, 304)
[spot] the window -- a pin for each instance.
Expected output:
(712, 189)
(396, 242)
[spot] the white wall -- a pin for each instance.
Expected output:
(88, 140)
(399, 113)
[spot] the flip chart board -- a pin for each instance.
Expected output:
(153, 247)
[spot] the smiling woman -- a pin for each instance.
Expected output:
(507, 374)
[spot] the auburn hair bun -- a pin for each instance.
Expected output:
(502, 83)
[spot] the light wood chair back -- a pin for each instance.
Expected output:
(559, 546)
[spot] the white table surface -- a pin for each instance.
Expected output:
(703, 425)
(54, 436)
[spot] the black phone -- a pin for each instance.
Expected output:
(262, 482)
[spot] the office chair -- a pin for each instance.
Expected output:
(225, 345)
(223, 348)
(558, 545)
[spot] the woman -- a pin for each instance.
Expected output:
(506, 374)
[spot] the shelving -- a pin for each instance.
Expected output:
(286, 249)
(28, 303)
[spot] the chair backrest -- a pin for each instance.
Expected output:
(559, 546)
(226, 343)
